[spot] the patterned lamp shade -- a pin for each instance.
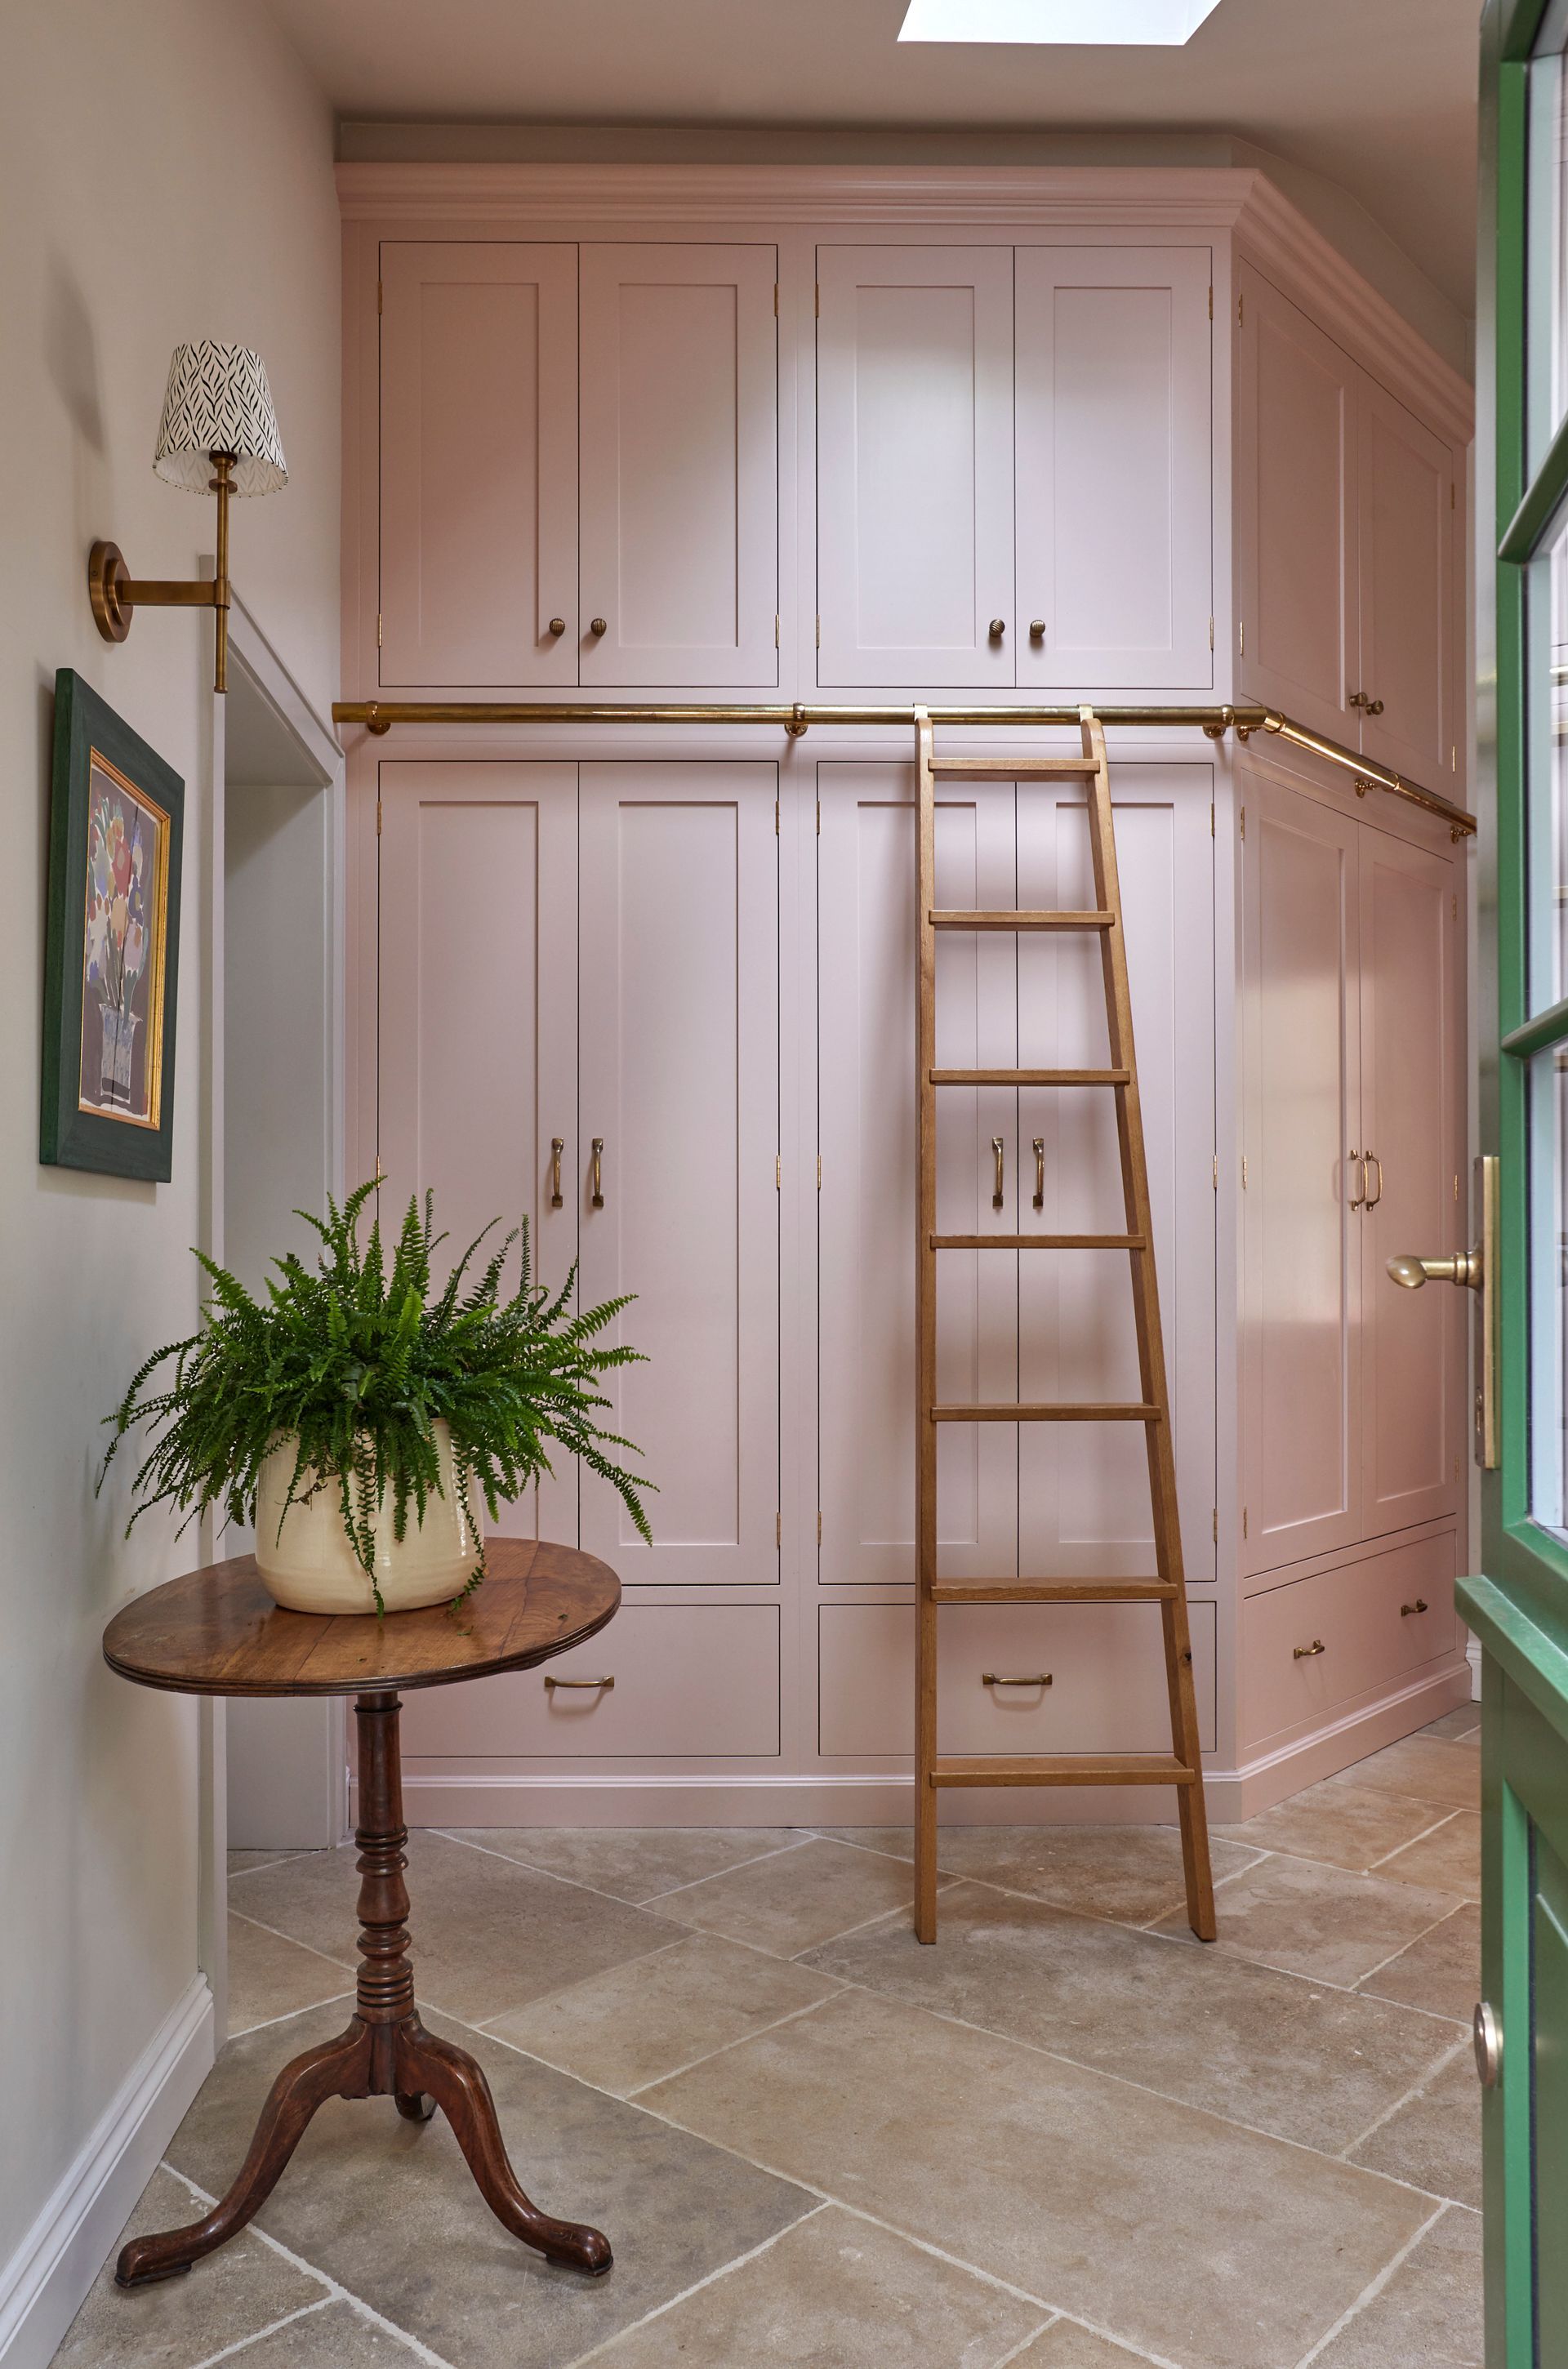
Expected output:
(218, 401)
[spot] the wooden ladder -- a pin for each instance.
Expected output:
(1183, 1765)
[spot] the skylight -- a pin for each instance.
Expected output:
(1090, 24)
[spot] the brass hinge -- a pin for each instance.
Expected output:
(818, 1172)
(1211, 300)
(1453, 756)
(775, 818)
(1456, 1188)
(1244, 1172)
(1217, 1172)
(776, 629)
(1244, 1521)
(1217, 1526)
(818, 631)
(1212, 633)
(1453, 496)
(378, 629)
(1454, 900)
(778, 1173)
(819, 1521)
(778, 1529)
(378, 817)
(819, 818)
(1240, 311)
(1244, 822)
(816, 293)
(1211, 817)
(775, 300)
(1241, 638)
(378, 298)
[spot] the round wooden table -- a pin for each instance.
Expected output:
(218, 1632)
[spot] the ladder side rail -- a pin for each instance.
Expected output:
(925, 1335)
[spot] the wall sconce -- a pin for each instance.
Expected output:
(217, 417)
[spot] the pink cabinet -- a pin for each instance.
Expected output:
(914, 466)
(1114, 519)
(1408, 662)
(680, 465)
(478, 463)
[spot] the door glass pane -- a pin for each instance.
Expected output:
(1546, 803)
(1547, 344)
(1548, 1272)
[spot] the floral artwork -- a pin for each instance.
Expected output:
(125, 917)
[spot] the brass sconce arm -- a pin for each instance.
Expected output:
(116, 594)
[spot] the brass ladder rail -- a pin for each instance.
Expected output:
(1183, 1767)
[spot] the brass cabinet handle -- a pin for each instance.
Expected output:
(1420, 1605)
(1306, 1653)
(1039, 1172)
(999, 1189)
(603, 1685)
(557, 1145)
(1487, 2033)
(597, 1195)
(1370, 1160)
(1354, 1159)
(1040, 1679)
(1037, 629)
(1464, 1268)
(557, 628)
(998, 627)
(598, 625)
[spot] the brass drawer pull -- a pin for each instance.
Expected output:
(1039, 1172)
(1040, 1679)
(557, 1145)
(601, 1685)
(597, 1195)
(1370, 1160)
(1420, 1605)
(1357, 1200)
(1305, 1653)
(999, 1186)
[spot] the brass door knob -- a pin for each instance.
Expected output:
(1463, 1268)
(1488, 2037)
(1037, 629)
(557, 628)
(998, 627)
(597, 625)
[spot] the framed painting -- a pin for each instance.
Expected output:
(112, 947)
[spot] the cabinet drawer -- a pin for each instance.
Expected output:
(1355, 1612)
(1106, 1664)
(696, 1681)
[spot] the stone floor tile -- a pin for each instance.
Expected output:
(639, 2023)
(270, 1976)
(1320, 1921)
(1429, 2315)
(792, 1902)
(1266, 2049)
(1194, 2239)
(337, 2337)
(176, 2323)
(241, 1862)
(1346, 1826)
(1440, 1973)
(1435, 2141)
(1427, 1768)
(1449, 1857)
(389, 2209)
(487, 1934)
(834, 2292)
(1131, 1873)
(1460, 1726)
(1065, 2345)
(635, 1863)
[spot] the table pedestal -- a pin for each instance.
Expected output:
(385, 2052)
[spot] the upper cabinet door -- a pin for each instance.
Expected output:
(478, 465)
(1407, 526)
(1115, 474)
(1296, 496)
(680, 465)
(914, 466)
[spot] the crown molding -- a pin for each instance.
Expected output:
(1273, 231)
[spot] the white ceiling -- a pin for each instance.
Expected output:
(1378, 95)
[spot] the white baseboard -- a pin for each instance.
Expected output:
(44, 2284)
(1472, 1654)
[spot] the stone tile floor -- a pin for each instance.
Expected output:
(1064, 2138)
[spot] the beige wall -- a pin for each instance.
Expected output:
(165, 173)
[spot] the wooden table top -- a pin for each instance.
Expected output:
(218, 1632)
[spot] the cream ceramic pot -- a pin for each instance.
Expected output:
(311, 1567)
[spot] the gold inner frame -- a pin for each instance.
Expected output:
(157, 906)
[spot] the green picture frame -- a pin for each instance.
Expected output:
(112, 958)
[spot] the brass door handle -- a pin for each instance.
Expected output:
(1354, 1159)
(557, 1145)
(601, 1686)
(1464, 1268)
(999, 1189)
(1040, 1679)
(1039, 1172)
(1420, 1605)
(1370, 1160)
(557, 628)
(598, 625)
(1487, 2036)
(1308, 1653)
(596, 1194)
(998, 627)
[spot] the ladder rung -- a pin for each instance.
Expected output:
(1018, 769)
(1045, 1414)
(1038, 1242)
(1029, 1077)
(1009, 918)
(1053, 1591)
(1069, 1769)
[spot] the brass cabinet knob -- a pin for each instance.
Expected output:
(1306, 1652)
(998, 627)
(1367, 705)
(1037, 629)
(597, 625)
(1488, 2036)
(557, 628)
(1374, 706)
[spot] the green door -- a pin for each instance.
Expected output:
(1520, 1608)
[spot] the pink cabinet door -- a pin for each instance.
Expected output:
(1298, 618)
(476, 1021)
(680, 465)
(1114, 475)
(677, 1015)
(1406, 542)
(914, 466)
(1413, 1434)
(1084, 1498)
(478, 465)
(866, 1055)
(1301, 1244)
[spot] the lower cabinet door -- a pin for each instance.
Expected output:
(1316, 1641)
(663, 1681)
(1093, 1678)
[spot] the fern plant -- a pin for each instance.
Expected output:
(356, 1362)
